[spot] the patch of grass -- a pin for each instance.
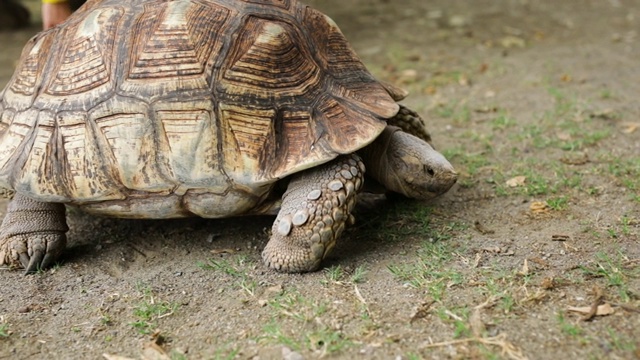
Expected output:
(443, 78)
(336, 274)
(467, 164)
(298, 307)
(455, 112)
(105, 319)
(333, 274)
(226, 353)
(149, 310)
(573, 181)
(237, 270)
(558, 203)
(429, 271)
(628, 174)
(583, 139)
(413, 356)
(537, 184)
(507, 303)
(358, 275)
(567, 126)
(621, 342)
(398, 221)
(309, 333)
(273, 334)
(568, 328)
(407, 219)
(613, 270)
(606, 94)
(459, 318)
(4, 330)
(564, 105)
(326, 340)
(536, 134)
(626, 223)
(502, 122)
(174, 355)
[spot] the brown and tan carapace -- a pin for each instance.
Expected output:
(159, 109)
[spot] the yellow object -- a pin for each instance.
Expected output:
(53, 1)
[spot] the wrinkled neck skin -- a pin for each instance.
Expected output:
(408, 165)
(377, 163)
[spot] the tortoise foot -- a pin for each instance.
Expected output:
(32, 234)
(315, 209)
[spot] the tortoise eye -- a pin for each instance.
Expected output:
(428, 170)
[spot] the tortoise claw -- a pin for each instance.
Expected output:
(48, 260)
(33, 254)
(35, 263)
(24, 260)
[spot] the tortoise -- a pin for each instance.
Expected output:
(211, 108)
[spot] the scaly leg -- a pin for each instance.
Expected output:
(315, 208)
(32, 234)
(410, 122)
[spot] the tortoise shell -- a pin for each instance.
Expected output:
(173, 108)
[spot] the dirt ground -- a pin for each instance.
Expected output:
(536, 103)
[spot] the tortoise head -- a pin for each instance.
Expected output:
(410, 166)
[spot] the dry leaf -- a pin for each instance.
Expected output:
(539, 207)
(564, 136)
(512, 42)
(548, 283)
(422, 311)
(408, 76)
(525, 269)
(153, 351)
(116, 357)
(539, 261)
(630, 127)
(604, 309)
(482, 229)
(430, 90)
(486, 109)
(575, 159)
(516, 181)
(475, 322)
(606, 114)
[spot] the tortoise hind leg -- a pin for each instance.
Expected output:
(315, 209)
(32, 234)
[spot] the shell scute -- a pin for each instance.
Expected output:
(174, 47)
(189, 141)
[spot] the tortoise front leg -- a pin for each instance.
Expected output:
(32, 234)
(315, 208)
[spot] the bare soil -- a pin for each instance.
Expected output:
(537, 105)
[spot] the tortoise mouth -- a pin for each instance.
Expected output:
(431, 186)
